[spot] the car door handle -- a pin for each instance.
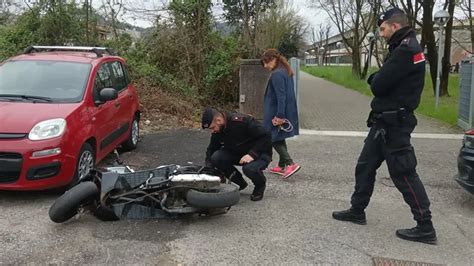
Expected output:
(117, 104)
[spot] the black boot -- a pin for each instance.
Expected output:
(257, 193)
(237, 178)
(350, 215)
(424, 232)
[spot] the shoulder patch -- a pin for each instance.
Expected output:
(418, 58)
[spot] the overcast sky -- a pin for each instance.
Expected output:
(312, 16)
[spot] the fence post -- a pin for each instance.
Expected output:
(295, 66)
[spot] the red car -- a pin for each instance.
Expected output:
(62, 110)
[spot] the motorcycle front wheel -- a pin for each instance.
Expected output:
(227, 195)
(66, 206)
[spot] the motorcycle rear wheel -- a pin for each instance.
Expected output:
(227, 195)
(66, 206)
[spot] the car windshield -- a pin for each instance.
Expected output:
(43, 81)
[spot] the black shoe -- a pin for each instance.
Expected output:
(239, 180)
(257, 193)
(423, 234)
(350, 215)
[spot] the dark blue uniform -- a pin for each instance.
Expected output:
(242, 135)
(397, 88)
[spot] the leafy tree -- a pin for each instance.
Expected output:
(14, 39)
(245, 16)
(281, 27)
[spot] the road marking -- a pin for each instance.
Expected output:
(364, 134)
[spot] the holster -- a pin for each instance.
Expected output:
(391, 118)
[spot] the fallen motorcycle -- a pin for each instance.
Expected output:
(163, 192)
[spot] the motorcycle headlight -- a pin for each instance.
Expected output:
(48, 129)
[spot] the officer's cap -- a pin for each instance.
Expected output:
(207, 117)
(388, 14)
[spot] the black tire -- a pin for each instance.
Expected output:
(86, 151)
(132, 142)
(227, 196)
(66, 206)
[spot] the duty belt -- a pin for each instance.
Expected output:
(389, 118)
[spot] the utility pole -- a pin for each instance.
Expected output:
(87, 22)
(441, 18)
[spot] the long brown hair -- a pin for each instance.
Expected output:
(270, 54)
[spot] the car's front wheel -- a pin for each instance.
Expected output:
(85, 162)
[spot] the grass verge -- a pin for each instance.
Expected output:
(448, 105)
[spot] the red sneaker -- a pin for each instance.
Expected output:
(277, 170)
(291, 170)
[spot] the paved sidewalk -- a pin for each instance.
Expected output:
(328, 106)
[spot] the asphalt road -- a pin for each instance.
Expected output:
(292, 225)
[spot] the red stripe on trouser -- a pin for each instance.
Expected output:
(414, 196)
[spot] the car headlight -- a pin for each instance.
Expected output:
(48, 129)
(468, 141)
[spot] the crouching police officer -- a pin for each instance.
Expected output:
(238, 139)
(396, 87)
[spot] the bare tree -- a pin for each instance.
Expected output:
(412, 8)
(150, 10)
(353, 19)
(466, 6)
(371, 26)
(446, 64)
(322, 40)
(420, 13)
(112, 9)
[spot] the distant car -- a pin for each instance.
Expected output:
(62, 110)
(465, 176)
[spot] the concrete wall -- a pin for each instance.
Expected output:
(253, 82)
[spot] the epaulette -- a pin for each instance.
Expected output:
(405, 42)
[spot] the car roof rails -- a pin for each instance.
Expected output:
(99, 51)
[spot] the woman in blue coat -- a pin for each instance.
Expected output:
(280, 113)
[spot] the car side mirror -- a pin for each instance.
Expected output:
(108, 94)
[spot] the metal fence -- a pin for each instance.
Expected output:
(466, 94)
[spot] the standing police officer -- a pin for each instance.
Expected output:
(238, 139)
(397, 88)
